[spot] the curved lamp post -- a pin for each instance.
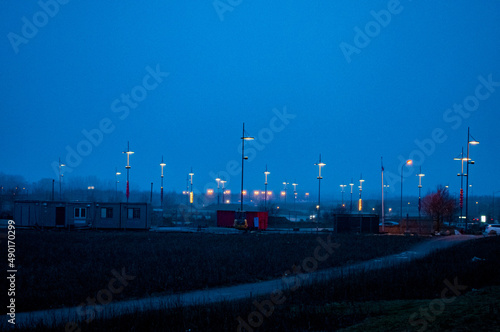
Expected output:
(243, 158)
(318, 207)
(469, 142)
(409, 162)
(162, 164)
(128, 152)
(266, 173)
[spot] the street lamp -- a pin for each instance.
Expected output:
(409, 162)
(382, 207)
(128, 152)
(360, 202)
(191, 195)
(342, 189)
(116, 183)
(469, 142)
(223, 182)
(319, 164)
(352, 185)
(294, 198)
(60, 178)
(420, 175)
(162, 164)
(266, 173)
(243, 158)
(218, 189)
(461, 174)
(285, 188)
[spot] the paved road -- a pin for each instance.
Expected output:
(76, 314)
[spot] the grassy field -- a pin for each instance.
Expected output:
(60, 268)
(409, 297)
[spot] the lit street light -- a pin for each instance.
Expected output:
(218, 189)
(461, 174)
(420, 175)
(318, 207)
(294, 199)
(409, 162)
(128, 152)
(223, 182)
(342, 189)
(352, 185)
(60, 178)
(116, 183)
(266, 173)
(469, 142)
(191, 195)
(285, 189)
(243, 158)
(382, 207)
(360, 202)
(162, 164)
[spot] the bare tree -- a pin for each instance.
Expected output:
(439, 205)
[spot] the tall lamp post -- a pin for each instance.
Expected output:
(352, 185)
(223, 182)
(461, 174)
(116, 183)
(191, 195)
(128, 152)
(469, 142)
(60, 178)
(382, 207)
(243, 158)
(266, 173)
(162, 164)
(319, 164)
(407, 163)
(295, 198)
(342, 189)
(360, 202)
(420, 175)
(285, 189)
(218, 190)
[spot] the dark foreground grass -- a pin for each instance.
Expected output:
(60, 268)
(375, 300)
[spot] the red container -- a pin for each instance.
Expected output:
(255, 220)
(225, 218)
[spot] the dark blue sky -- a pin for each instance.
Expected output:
(354, 97)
